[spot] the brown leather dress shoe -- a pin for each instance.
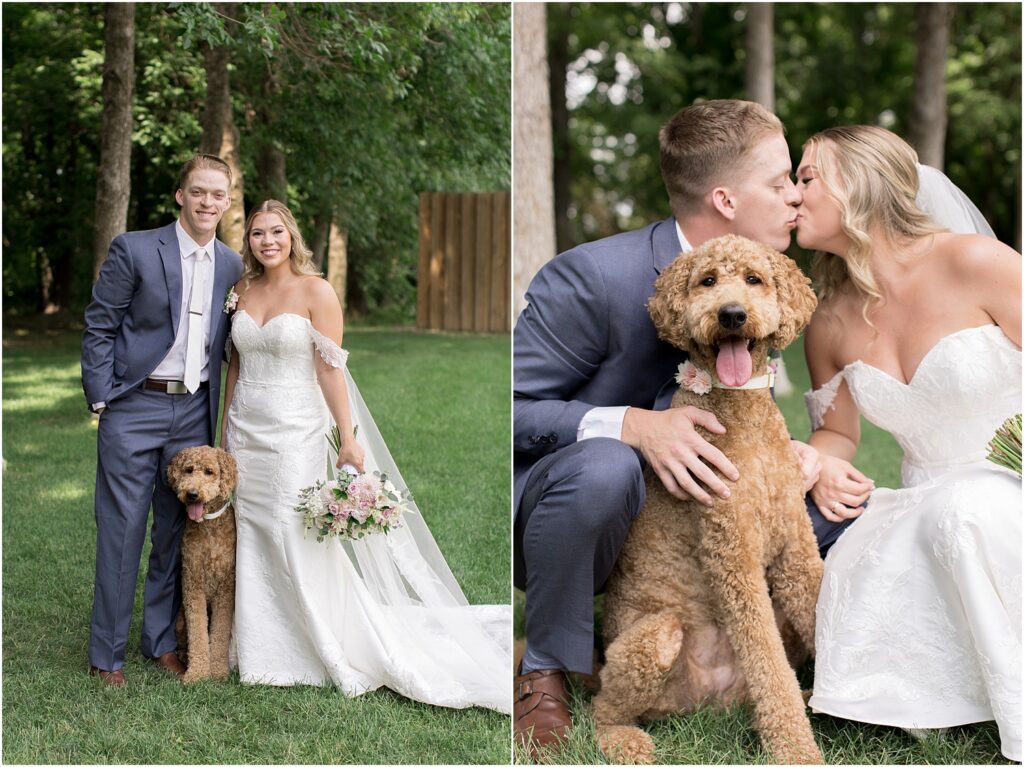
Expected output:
(540, 708)
(169, 661)
(109, 678)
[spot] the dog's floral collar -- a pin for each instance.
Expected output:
(698, 381)
(217, 513)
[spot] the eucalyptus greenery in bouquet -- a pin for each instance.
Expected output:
(1004, 449)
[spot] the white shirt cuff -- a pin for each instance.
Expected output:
(95, 406)
(602, 422)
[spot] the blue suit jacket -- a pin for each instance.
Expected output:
(136, 304)
(585, 340)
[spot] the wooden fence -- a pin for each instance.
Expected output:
(464, 270)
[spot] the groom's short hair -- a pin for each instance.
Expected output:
(203, 162)
(706, 142)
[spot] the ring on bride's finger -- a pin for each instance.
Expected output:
(835, 506)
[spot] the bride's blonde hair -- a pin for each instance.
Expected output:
(301, 256)
(871, 175)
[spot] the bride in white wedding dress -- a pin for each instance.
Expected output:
(381, 611)
(918, 330)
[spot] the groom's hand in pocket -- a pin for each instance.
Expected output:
(683, 460)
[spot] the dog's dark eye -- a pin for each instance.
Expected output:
(708, 282)
(208, 472)
(188, 469)
(753, 279)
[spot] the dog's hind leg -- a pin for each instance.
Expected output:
(748, 618)
(632, 681)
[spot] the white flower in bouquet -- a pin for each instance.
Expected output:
(352, 506)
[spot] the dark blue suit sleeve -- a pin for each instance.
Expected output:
(560, 341)
(111, 297)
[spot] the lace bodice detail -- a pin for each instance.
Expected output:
(281, 351)
(963, 389)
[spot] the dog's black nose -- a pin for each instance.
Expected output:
(732, 316)
(192, 496)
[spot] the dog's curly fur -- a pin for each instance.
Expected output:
(206, 475)
(689, 613)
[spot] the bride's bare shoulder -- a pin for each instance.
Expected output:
(969, 255)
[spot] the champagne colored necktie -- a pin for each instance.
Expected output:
(194, 344)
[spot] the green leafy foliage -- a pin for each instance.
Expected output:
(633, 66)
(371, 104)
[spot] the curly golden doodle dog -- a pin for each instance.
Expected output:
(689, 613)
(204, 479)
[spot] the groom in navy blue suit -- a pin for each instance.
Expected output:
(151, 353)
(593, 381)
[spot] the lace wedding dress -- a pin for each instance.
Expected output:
(919, 615)
(381, 611)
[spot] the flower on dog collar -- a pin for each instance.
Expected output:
(230, 300)
(692, 378)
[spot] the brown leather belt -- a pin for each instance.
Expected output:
(170, 387)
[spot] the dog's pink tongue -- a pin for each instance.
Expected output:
(734, 366)
(195, 511)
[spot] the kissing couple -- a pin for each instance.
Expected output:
(918, 329)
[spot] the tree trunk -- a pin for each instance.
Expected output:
(337, 261)
(761, 54)
(558, 53)
(270, 162)
(1016, 214)
(220, 136)
(928, 105)
(113, 186)
(321, 234)
(534, 219)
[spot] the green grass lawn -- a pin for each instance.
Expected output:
(717, 736)
(442, 404)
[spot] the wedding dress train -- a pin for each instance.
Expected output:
(919, 615)
(382, 611)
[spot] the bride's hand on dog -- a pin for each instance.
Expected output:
(810, 462)
(683, 460)
(841, 490)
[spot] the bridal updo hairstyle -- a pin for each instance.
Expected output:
(871, 175)
(301, 256)
(707, 144)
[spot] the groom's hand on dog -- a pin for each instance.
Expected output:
(683, 460)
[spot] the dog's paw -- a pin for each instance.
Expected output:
(625, 744)
(220, 673)
(193, 675)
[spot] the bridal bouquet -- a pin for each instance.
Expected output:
(352, 505)
(1004, 449)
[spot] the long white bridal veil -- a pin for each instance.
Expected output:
(406, 574)
(947, 205)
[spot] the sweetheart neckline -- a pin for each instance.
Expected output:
(276, 316)
(924, 359)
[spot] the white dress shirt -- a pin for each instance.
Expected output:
(172, 367)
(607, 421)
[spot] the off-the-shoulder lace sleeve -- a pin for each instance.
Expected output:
(820, 401)
(331, 353)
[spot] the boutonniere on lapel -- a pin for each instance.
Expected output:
(230, 301)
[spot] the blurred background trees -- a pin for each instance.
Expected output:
(346, 111)
(629, 67)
